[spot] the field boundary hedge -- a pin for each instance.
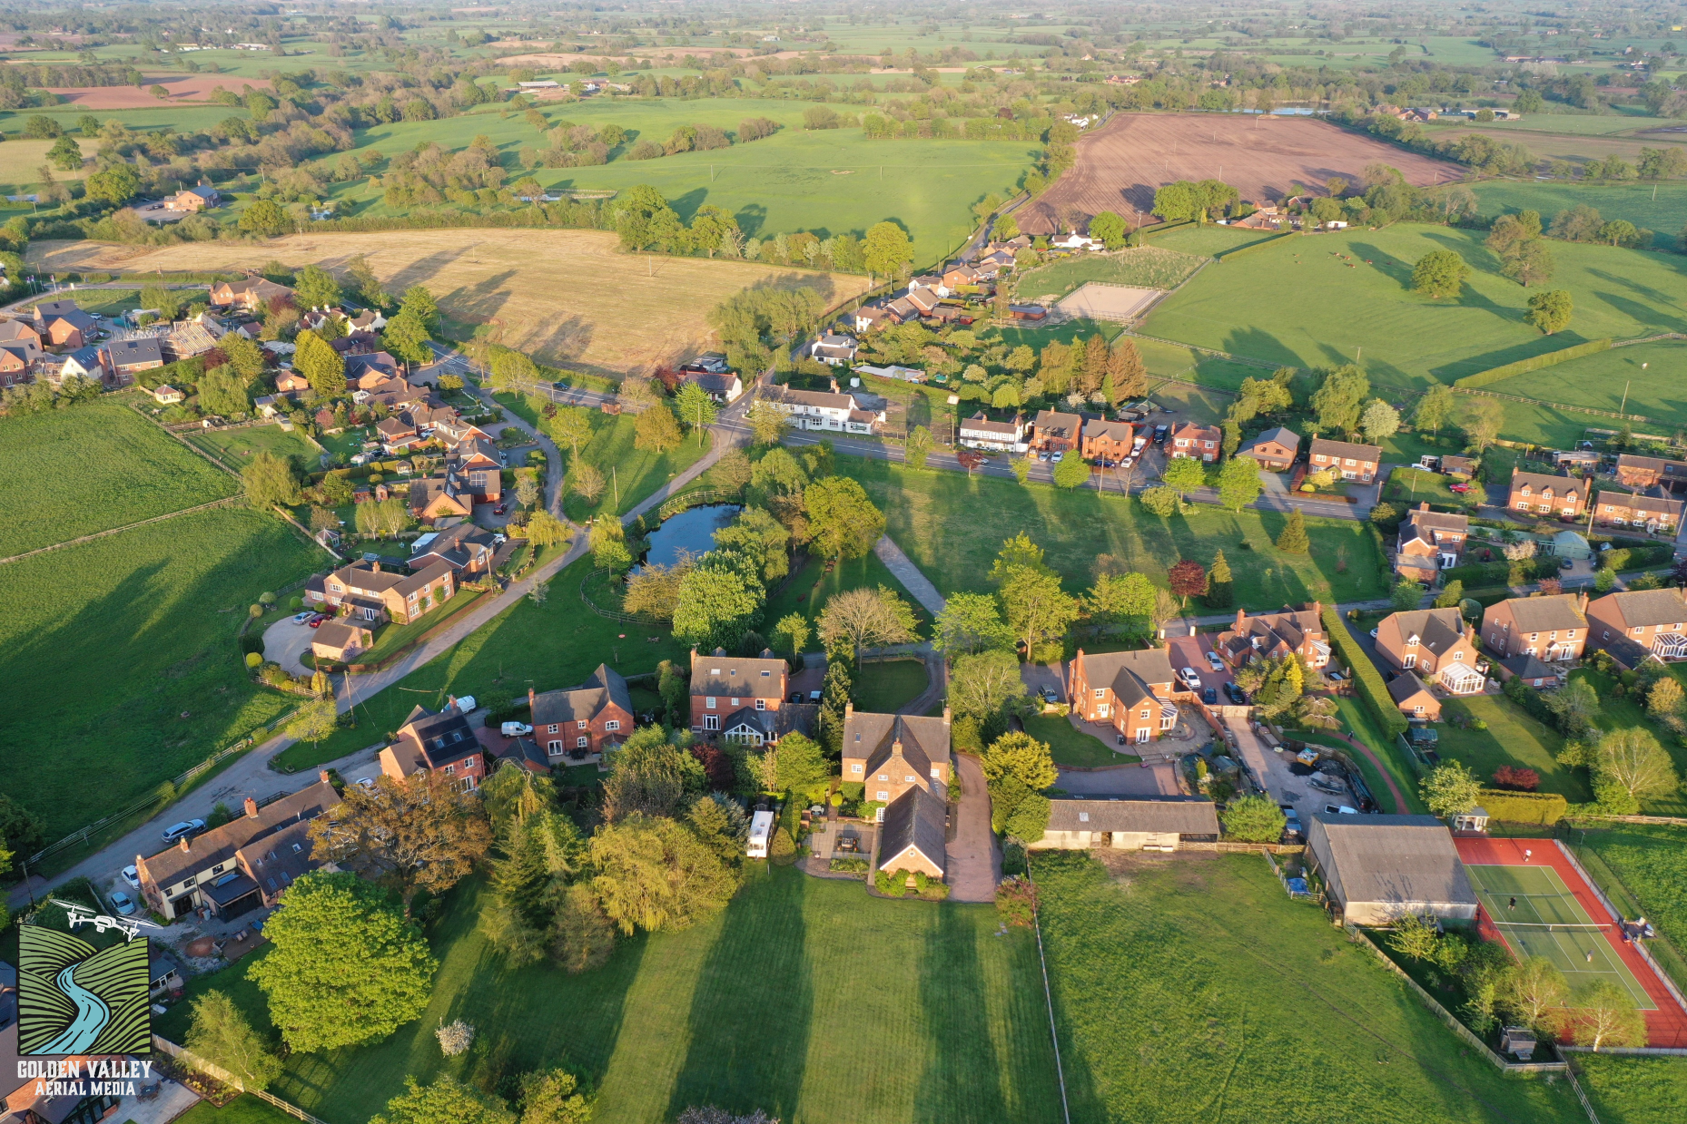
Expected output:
(1544, 808)
(1260, 245)
(1524, 366)
(1365, 675)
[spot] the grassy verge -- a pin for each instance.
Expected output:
(1071, 746)
(1642, 868)
(241, 1110)
(762, 1006)
(885, 686)
(1362, 726)
(1246, 989)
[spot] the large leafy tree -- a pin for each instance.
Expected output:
(406, 336)
(982, 685)
(421, 833)
(643, 219)
(694, 406)
(1550, 311)
(970, 622)
(1238, 483)
(263, 217)
(315, 287)
(1254, 819)
(655, 873)
(1450, 789)
(268, 481)
(1440, 273)
(1018, 755)
(888, 250)
(221, 1035)
(867, 618)
(318, 362)
(345, 967)
(1183, 475)
(720, 600)
(1338, 399)
(445, 1100)
(656, 430)
(843, 523)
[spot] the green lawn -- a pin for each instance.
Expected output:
(557, 644)
(1071, 746)
(809, 588)
(237, 447)
(766, 1006)
(1622, 713)
(241, 1110)
(885, 686)
(1643, 379)
(1361, 725)
(1657, 207)
(1512, 738)
(952, 527)
(631, 474)
(92, 468)
(393, 635)
(1197, 990)
(1408, 487)
(123, 648)
(1147, 267)
(1208, 240)
(1314, 302)
(1643, 868)
(1634, 1090)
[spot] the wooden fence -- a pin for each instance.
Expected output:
(195, 1062)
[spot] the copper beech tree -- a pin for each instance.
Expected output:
(418, 834)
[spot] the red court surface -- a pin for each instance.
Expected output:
(1666, 1026)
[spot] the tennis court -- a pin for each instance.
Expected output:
(1537, 914)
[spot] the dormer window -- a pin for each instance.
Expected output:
(1083, 817)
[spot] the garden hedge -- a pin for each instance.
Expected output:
(1524, 366)
(1366, 677)
(1544, 808)
(1260, 245)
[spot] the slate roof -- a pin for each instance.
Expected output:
(459, 546)
(1437, 630)
(1537, 482)
(1099, 429)
(915, 819)
(221, 843)
(736, 676)
(925, 741)
(1526, 666)
(1405, 686)
(1395, 859)
(441, 736)
(1546, 614)
(585, 702)
(1278, 434)
(1186, 815)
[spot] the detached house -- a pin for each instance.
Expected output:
(1436, 644)
(737, 697)
(1654, 513)
(1275, 449)
(440, 496)
(588, 719)
(253, 294)
(63, 324)
(1130, 691)
(127, 358)
(1057, 432)
(373, 594)
(979, 432)
(1430, 541)
(1107, 440)
(905, 764)
(193, 200)
(1345, 460)
(1548, 495)
(1551, 628)
(817, 409)
(466, 548)
(441, 742)
(1273, 635)
(724, 387)
(341, 641)
(1636, 625)
(243, 865)
(1198, 442)
(1413, 698)
(834, 350)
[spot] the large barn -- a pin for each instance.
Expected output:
(1380, 868)
(1129, 823)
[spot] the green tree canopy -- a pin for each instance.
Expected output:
(1550, 311)
(268, 482)
(315, 287)
(1238, 483)
(1338, 399)
(1254, 819)
(1018, 755)
(1450, 789)
(1440, 273)
(445, 1100)
(888, 250)
(843, 523)
(320, 364)
(655, 873)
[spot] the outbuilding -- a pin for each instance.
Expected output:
(1377, 869)
(1129, 823)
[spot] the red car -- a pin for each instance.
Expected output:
(500, 509)
(1460, 488)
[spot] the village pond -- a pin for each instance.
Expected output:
(691, 532)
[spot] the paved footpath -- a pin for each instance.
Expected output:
(909, 575)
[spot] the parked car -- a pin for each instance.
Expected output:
(175, 833)
(122, 903)
(367, 784)
(515, 729)
(1058, 457)
(1459, 488)
(132, 876)
(1210, 696)
(316, 621)
(816, 696)
(301, 618)
(1190, 678)
(1340, 810)
(1214, 662)
(500, 509)
(1043, 456)
(1235, 694)
(1050, 695)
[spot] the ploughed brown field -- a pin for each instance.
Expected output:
(1121, 164)
(567, 297)
(180, 87)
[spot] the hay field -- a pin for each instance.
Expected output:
(21, 160)
(1120, 165)
(568, 297)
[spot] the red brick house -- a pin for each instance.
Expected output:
(19, 331)
(1056, 432)
(369, 593)
(1130, 691)
(1636, 625)
(1413, 698)
(1551, 628)
(1430, 541)
(441, 742)
(63, 324)
(1563, 496)
(1434, 643)
(583, 720)
(1275, 449)
(1345, 460)
(1654, 513)
(737, 697)
(440, 496)
(1201, 442)
(891, 753)
(1640, 473)
(1273, 635)
(476, 468)
(1107, 440)
(254, 294)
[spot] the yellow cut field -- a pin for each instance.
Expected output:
(567, 297)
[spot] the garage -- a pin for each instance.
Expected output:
(1129, 824)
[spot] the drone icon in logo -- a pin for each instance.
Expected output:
(76, 914)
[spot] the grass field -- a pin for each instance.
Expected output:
(952, 528)
(1658, 207)
(1512, 738)
(633, 474)
(556, 644)
(1408, 487)
(1194, 990)
(1206, 240)
(809, 588)
(764, 1006)
(1650, 864)
(237, 447)
(568, 297)
(1643, 379)
(1634, 1090)
(124, 649)
(1071, 746)
(93, 468)
(885, 686)
(21, 158)
(1146, 267)
(1317, 301)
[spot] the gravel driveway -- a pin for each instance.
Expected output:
(285, 642)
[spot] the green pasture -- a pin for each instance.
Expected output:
(237, 447)
(183, 117)
(1643, 379)
(1627, 1090)
(1206, 240)
(1566, 124)
(1323, 300)
(125, 647)
(1196, 990)
(952, 527)
(1649, 865)
(1659, 207)
(766, 1005)
(1146, 267)
(92, 468)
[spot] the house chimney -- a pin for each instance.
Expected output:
(251, 808)
(530, 701)
(1423, 505)
(377, 566)
(184, 844)
(946, 714)
(849, 708)
(1581, 602)
(1191, 628)
(1241, 619)
(322, 775)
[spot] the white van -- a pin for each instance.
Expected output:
(761, 830)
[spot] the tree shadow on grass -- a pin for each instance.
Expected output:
(1643, 313)
(753, 1005)
(1257, 343)
(480, 301)
(964, 1068)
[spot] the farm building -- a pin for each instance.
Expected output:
(1129, 824)
(1379, 868)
